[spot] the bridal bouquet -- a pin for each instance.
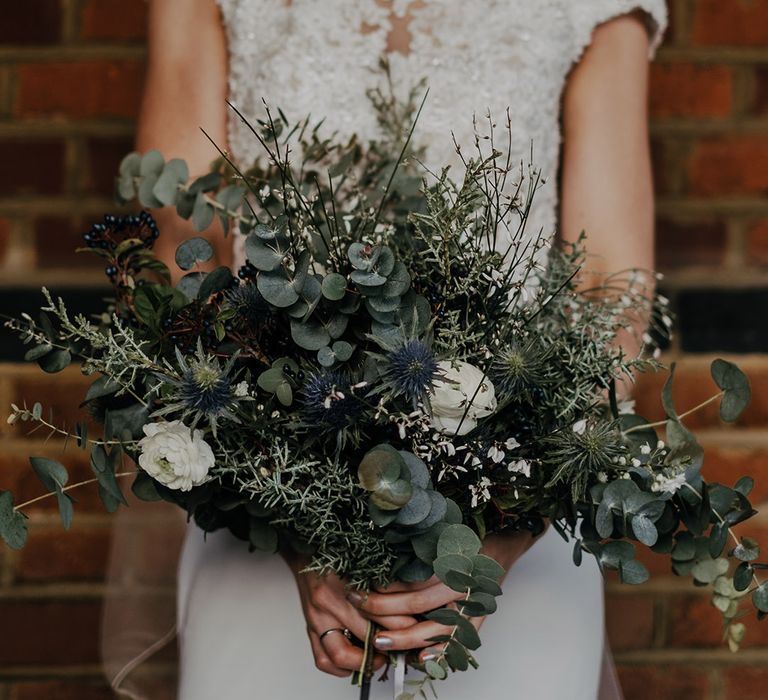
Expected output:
(395, 372)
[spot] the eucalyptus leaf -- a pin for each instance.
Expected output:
(202, 213)
(334, 286)
(277, 289)
(458, 539)
(192, 252)
(13, 527)
(55, 361)
(736, 387)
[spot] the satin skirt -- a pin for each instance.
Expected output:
(242, 632)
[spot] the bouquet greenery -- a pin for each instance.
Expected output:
(393, 374)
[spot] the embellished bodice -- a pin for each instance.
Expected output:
(320, 57)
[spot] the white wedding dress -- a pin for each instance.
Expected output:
(241, 629)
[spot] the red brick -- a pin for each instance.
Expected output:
(31, 22)
(5, 238)
(684, 244)
(54, 632)
(686, 90)
(629, 621)
(104, 156)
(53, 555)
(61, 690)
(729, 165)
(56, 243)
(736, 22)
(745, 683)
(80, 89)
(694, 623)
(757, 244)
(113, 19)
(664, 683)
(760, 102)
(31, 167)
(668, 158)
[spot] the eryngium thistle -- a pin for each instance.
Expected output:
(327, 401)
(251, 308)
(411, 369)
(578, 456)
(520, 372)
(204, 387)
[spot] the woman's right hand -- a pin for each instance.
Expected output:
(325, 605)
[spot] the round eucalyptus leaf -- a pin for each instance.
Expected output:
(425, 545)
(270, 379)
(736, 387)
(435, 670)
(615, 553)
(309, 335)
(744, 485)
(392, 495)
(55, 361)
(486, 601)
(417, 508)
(386, 318)
(414, 571)
(367, 279)
(383, 304)
(337, 325)
(299, 310)
(202, 213)
(398, 281)
(760, 597)
(439, 509)
(380, 517)
(262, 255)
(458, 539)
(451, 562)
(381, 464)
(264, 232)
(359, 255)
(334, 286)
(453, 512)
(146, 192)
(130, 165)
(633, 572)
(13, 527)
(645, 531)
(174, 174)
(284, 393)
(190, 284)
(708, 570)
(483, 565)
(386, 262)
(151, 163)
(343, 350)
(326, 357)
(487, 585)
(747, 549)
(742, 576)
(193, 251)
(276, 289)
(126, 189)
(417, 468)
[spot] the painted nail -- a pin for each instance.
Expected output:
(355, 598)
(428, 657)
(383, 643)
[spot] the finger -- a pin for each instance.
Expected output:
(400, 586)
(414, 637)
(409, 603)
(393, 622)
(322, 660)
(434, 651)
(342, 652)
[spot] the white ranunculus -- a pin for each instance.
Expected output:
(456, 386)
(175, 455)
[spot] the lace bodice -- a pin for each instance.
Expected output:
(319, 57)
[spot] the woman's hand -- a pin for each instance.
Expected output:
(325, 604)
(407, 599)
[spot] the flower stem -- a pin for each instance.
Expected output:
(660, 423)
(65, 489)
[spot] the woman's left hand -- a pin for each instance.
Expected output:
(399, 599)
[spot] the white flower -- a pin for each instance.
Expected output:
(174, 455)
(241, 390)
(522, 466)
(511, 444)
(453, 391)
(669, 484)
(495, 454)
(481, 492)
(645, 449)
(580, 426)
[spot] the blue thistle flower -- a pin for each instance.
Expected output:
(250, 305)
(205, 388)
(327, 400)
(410, 370)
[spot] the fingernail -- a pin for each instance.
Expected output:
(355, 598)
(428, 657)
(383, 643)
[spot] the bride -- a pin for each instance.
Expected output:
(573, 75)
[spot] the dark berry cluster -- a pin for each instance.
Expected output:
(116, 229)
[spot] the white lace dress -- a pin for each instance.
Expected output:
(241, 629)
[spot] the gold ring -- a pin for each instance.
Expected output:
(344, 631)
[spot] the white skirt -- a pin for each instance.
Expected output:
(242, 632)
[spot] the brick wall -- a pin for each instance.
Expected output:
(70, 80)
